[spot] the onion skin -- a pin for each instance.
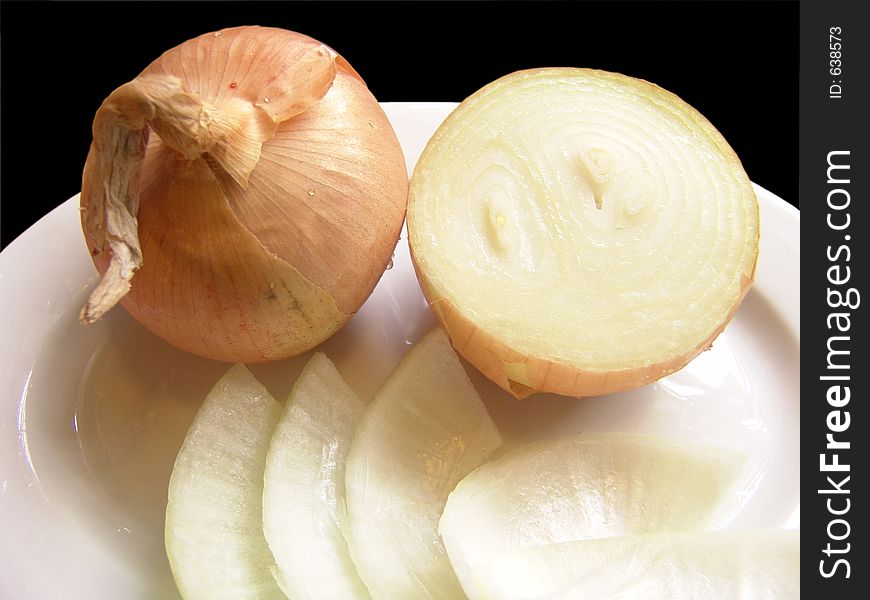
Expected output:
(258, 237)
(518, 371)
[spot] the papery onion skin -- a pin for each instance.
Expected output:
(266, 244)
(519, 371)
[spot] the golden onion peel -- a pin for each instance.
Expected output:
(580, 232)
(243, 195)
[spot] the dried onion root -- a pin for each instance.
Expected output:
(254, 187)
(580, 232)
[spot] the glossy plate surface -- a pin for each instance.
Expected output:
(91, 418)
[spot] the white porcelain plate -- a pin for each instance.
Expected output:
(91, 418)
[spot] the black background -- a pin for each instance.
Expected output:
(736, 62)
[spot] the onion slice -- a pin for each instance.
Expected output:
(425, 430)
(214, 524)
(589, 486)
(719, 565)
(580, 232)
(304, 511)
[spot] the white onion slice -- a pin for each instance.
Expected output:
(425, 430)
(580, 232)
(722, 565)
(214, 526)
(304, 507)
(583, 487)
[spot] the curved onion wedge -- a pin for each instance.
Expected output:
(425, 430)
(214, 526)
(582, 487)
(762, 564)
(303, 499)
(580, 232)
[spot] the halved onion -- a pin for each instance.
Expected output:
(214, 525)
(583, 487)
(720, 565)
(425, 430)
(580, 232)
(304, 509)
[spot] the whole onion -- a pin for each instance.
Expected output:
(243, 195)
